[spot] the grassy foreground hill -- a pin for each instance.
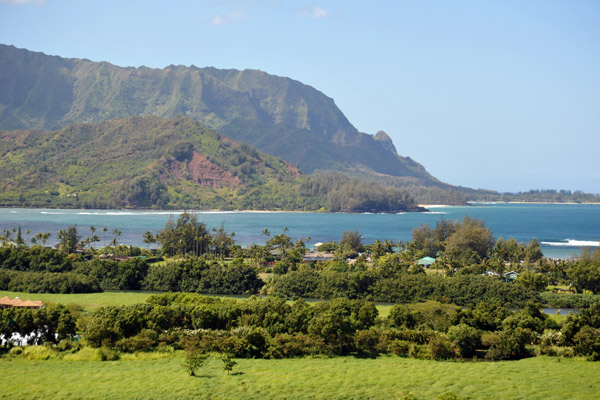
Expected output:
(148, 162)
(156, 376)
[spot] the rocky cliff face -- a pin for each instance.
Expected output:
(278, 115)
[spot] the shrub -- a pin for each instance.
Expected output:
(146, 340)
(420, 352)
(467, 339)
(108, 354)
(16, 351)
(489, 339)
(84, 354)
(400, 347)
(285, 345)
(512, 345)
(39, 353)
(587, 341)
(367, 341)
(440, 348)
(68, 346)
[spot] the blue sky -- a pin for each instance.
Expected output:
(503, 95)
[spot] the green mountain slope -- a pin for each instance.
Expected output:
(141, 162)
(277, 115)
(148, 162)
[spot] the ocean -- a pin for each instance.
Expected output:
(562, 229)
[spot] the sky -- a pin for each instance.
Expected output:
(502, 95)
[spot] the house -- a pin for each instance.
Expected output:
(510, 276)
(9, 302)
(426, 261)
(315, 256)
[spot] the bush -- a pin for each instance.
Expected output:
(420, 352)
(441, 348)
(400, 347)
(368, 342)
(512, 345)
(108, 354)
(68, 346)
(285, 345)
(16, 351)
(466, 339)
(587, 341)
(39, 353)
(84, 354)
(146, 340)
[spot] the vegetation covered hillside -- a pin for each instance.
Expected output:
(148, 162)
(277, 115)
(141, 162)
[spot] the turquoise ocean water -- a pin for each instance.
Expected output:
(561, 228)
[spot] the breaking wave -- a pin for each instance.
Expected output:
(574, 243)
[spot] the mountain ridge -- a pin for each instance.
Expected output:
(277, 115)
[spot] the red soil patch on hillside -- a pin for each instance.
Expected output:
(200, 170)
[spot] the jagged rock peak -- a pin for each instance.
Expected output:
(385, 141)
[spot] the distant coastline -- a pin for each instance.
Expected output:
(531, 202)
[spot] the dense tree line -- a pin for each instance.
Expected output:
(197, 275)
(538, 196)
(48, 282)
(35, 259)
(341, 193)
(193, 275)
(274, 328)
(399, 287)
(115, 275)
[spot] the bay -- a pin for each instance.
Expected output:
(563, 229)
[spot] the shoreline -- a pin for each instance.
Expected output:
(214, 211)
(532, 202)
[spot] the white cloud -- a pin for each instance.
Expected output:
(313, 12)
(226, 18)
(23, 2)
(319, 13)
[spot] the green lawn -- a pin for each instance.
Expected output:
(89, 301)
(335, 378)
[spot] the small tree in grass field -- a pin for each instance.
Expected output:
(194, 360)
(228, 363)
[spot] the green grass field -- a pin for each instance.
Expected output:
(89, 301)
(387, 377)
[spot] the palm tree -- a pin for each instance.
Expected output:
(389, 246)
(6, 237)
(44, 237)
(266, 233)
(116, 233)
(149, 237)
(19, 240)
(94, 237)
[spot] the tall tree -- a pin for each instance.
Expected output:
(68, 239)
(186, 236)
(351, 241)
